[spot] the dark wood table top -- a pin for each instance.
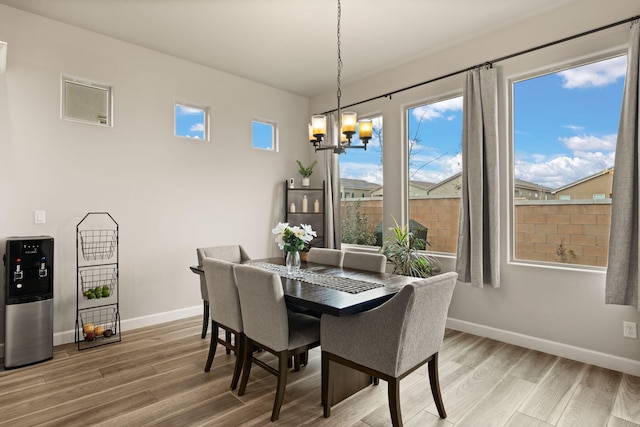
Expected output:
(331, 301)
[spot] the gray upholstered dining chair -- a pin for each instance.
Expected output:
(268, 325)
(365, 261)
(392, 340)
(326, 256)
(225, 311)
(231, 253)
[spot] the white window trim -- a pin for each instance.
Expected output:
(275, 141)
(207, 120)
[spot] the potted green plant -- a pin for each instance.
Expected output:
(306, 172)
(402, 251)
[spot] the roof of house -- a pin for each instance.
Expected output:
(358, 184)
(531, 185)
(422, 184)
(588, 178)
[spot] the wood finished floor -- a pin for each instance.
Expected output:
(155, 377)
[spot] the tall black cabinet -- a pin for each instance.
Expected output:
(305, 205)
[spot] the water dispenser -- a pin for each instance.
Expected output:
(28, 300)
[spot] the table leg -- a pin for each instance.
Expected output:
(346, 381)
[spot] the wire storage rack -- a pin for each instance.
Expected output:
(97, 287)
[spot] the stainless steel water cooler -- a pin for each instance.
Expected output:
(28, 333)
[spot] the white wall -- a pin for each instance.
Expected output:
(169, 195)
(557, 310)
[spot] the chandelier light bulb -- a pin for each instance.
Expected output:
(365, 129)
(319, 125)
(349, 120)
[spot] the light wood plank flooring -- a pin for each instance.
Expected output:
(155, 377)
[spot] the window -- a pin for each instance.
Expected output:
(192, 121)
(435, 171)
(564, 140)
(361, 174)
(264, 135)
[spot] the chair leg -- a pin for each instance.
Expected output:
(394, 402)
(246, 369)
(205, 318)
(240, 355)
(227, 336)
(282, 384)
(326, 386)
(212, 346)
(435, 385)
(296, 362)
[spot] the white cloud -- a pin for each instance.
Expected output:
(574, 127)
(366, 171)
(597, 74)
(184, 110)
(590, 142)
(438, 110)
(559, 171)
(431, 168)
(198, 127)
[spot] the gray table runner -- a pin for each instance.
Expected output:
(344, 284)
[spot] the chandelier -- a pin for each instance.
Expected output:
(347, 121)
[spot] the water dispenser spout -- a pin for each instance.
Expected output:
(18, 274)
(43, 268)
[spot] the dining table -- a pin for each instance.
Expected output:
(338, 291)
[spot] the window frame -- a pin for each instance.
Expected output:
(509, 82)
(351, 195)
(441, 96)
(206, 137)
(274, 134)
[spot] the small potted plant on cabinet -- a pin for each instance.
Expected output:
(306, 172)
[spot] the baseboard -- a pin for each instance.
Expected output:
(135, 323)
(608, 361)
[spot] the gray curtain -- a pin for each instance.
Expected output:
(332, 229)
(479, 234)
(622, 280)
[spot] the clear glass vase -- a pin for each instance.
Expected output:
(292, 261)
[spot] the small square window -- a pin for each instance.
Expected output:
(192, 121)
(264, 135)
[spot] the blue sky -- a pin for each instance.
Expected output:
(190, 122)
(262, 135)
(565, 127)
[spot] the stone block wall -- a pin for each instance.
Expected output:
(573, 232)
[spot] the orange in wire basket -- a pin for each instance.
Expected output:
(88, 327)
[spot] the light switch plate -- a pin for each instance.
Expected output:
(39, 217)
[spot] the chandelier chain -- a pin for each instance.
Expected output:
(318, 126)
(339, 93)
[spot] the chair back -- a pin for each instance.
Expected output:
(326, 256)
(231, 253)
(223, 291)
(264, 312)
(426, 304)
(365, 261)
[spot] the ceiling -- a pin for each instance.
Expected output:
(291, 44)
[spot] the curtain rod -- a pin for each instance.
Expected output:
(489, 63)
